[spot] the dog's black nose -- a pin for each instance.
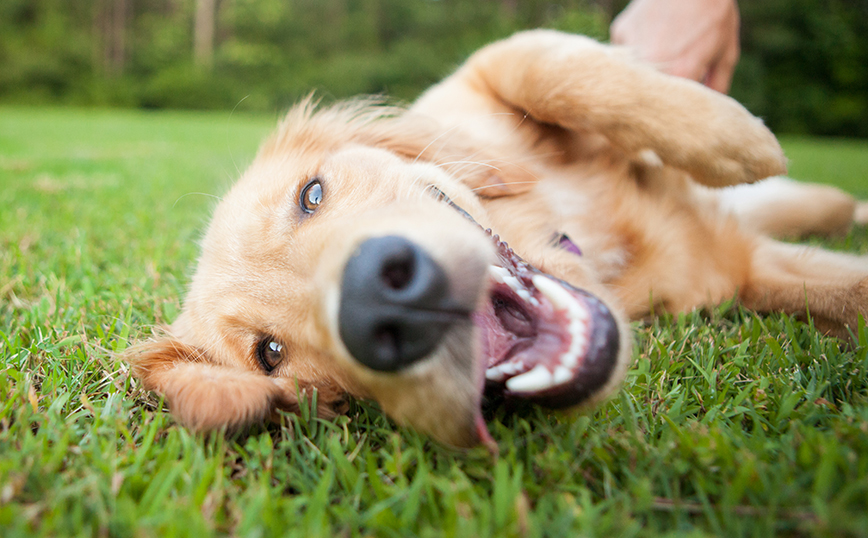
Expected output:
(395, 304)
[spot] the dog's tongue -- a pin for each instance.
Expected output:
(485, 437)
(543, 340)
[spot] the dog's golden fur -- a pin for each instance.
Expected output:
(539, 134)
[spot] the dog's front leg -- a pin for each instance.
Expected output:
(582, 85)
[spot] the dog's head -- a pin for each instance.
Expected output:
(341, 263)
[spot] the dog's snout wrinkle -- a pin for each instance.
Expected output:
(395, 304)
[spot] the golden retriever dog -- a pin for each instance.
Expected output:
(493, 240)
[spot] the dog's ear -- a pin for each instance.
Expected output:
(204, 396)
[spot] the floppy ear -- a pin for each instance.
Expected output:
(204, 396)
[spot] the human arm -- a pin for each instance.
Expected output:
(695, 39)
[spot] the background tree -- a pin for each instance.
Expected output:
(203, 33)
(802, 69)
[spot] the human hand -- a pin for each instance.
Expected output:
(696, 39)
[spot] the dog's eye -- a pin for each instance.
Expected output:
(311, 196)
(270, 353)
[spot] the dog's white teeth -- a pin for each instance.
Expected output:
(562, 374)
(494, 375)
(534, 380)
(502, 371)
(569, 359)
(498, 273)
(503, 276)
(578, 315)
(513, 283)
(540, 378)
(553, 291)
(537, 379)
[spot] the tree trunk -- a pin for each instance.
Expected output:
(203, 33)
(119, 37)
(110, 23)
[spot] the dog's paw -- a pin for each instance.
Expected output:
(731, 146)
(843, 321)
(705, 133)
(860, 214)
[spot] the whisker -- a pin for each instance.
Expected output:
(476, 163)
(457, 126)
(510, 183)
(218, 198)
(491, 166)
(238, 103)
(231, 155)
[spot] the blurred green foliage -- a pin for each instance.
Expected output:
(267, 53)
(803, 65)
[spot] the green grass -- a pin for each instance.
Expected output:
(729, 423)
(842, 163)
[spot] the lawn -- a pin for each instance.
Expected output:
(729, 423)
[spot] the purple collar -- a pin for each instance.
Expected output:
(565, 242)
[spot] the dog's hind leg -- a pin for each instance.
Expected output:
(830, 287)
(784, 208)
(579, 84)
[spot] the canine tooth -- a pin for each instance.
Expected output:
(562, 375)
(538, 378)
(553, 292)
(562, 300)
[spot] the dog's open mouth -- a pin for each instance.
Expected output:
(542, 339)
